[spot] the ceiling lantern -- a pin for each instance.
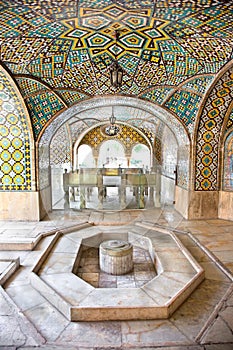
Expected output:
(115, 70)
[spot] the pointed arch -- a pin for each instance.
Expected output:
(17, 140)
(209, 129)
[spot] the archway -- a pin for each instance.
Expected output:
(131, 112)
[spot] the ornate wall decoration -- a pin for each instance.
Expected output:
(60, 147)
(15, 138)
(185, 105)
(229, 123)
(227, 183)
(41, 102)
(208, 133)
(60, 56)
(127, 136)
(157, 94)
(71, 45)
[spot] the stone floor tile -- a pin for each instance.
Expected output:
(210, 291)
(212, 272)
(187, 321)
(20, 277)
(224, 255)
(11, 333)
(219, 346)
(15, 329)
(92, 334)
(192, 316)
(151, 333)
(47, 320)
(229, 301)
(229, 266)
(186, 240)
(30, 258)
(54, 347)
(198, 253)
(54, 263)
(89, 268)
(92, 278)
(181, 347)
(219, 332)
(220, 245)
(227, 316)
(25, 296)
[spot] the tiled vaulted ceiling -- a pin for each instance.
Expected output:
(59, 51)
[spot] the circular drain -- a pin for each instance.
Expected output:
(116, 257)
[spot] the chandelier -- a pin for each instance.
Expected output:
(112, 129)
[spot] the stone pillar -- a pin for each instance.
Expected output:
(82, 198)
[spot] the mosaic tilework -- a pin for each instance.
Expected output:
(60, 147)
(158, 143)
(131, 4)
(70, 45)
(29, 86)
(41, 102)
(127, 136)
(211, 21)
(71, 97)
(183, 167)
(228, 164)
(206, 176)
(43, 106)
(199, 84)
(178, 61)
(147, 133)
(44, 176)
(185, 105)
(15, 154)
(157, 95)
(230, 122)
(50, 8)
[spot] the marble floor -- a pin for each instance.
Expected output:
(203, 322)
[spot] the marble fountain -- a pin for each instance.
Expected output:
(57, 274)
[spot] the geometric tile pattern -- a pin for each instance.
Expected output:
(227, 182)
(156, 95)
(41, 102)
(127, 136)
(208, 134)
(43, 106)
(185, 105)
(199, 84)
(60, 147)
(158, 143)
(15, 153)
(71, 97)
(230, 122)
(69, 48)
(170, 51)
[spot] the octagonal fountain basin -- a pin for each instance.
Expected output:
(61, 274)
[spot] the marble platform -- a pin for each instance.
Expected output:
(54, 275)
